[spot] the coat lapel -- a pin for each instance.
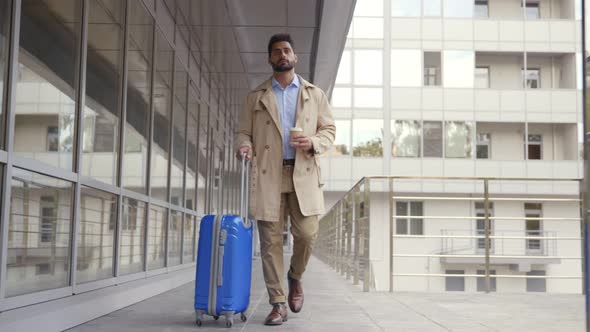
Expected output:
(269, 101)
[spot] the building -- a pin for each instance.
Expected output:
(464, 88)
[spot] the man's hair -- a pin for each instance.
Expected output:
(279, 37)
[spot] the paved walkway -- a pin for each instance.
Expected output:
(334, 304)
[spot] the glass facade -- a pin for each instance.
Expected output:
(113, 155)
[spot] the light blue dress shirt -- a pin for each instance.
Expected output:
(287, 101)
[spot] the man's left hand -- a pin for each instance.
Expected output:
(301, 142)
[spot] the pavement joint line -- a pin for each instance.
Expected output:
(421, 314)
(251, 312)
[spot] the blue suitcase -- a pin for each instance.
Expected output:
(224, 264)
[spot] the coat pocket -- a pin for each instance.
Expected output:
(319, 172)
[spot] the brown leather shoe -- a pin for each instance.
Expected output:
(295, 294)
(277, 316)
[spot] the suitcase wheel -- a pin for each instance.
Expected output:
(199, 322)
(229, 322)
(216, 317)
(243, 317)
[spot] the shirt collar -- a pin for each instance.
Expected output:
(294, 83)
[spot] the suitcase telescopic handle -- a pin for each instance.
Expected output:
(244, 191)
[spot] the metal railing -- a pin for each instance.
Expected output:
(345, 231)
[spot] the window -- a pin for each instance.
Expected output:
(344, 69)
(52, 139)
(432, 72)
(412, 226)
(458, 139)
(533, 227)
(341, 144)
(458, 8)
(461, 68)
(367, 28)
(535, 147)
(536, 284)
(131, 255)
(432, 7)
(368, 69)
(481, 282)
(432, 139)
(481, 9)
(43, 268)
(368, 97)
(482, 77)
(405, 8)
(532, 10)
(406, 139)
(367, 138)
(341, 97)
(480, 225)
(532, 78)
(5, 11)
(48, 215)
(405, 68)
(455, 284)
(483, 146)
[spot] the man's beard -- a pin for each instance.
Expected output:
(280, 68)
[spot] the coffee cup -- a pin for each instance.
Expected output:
(294, 132)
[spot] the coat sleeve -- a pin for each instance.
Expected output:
(326, 130)
(243, 135)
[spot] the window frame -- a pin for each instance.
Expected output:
(409, 222)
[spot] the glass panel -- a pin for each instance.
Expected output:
(481, 282)
(132, 236)
(174, 238)
(139, 64)
(401, 224)
(461, 67)
(433, 139)
(536, 284)
(482, 77)
(455, 284)
(157, 237)
(368, 97)
(368, 67)
(458, 139)
(367, 28)
(39, 232)
(432, 8)
(406, 68)
(432, 66)
(96, 235)
(188, 243)
(406, 138)
(369, 8)
(103, 81)
(458, 8)
(532, 78)
(5, 11)
(178, 136)
(344, 69)
(367, 138)
(45, 91)
(532, 11)
(481, 9)
(193, 150)
(405, 8)
(342, 142)
(341, 97)
(161, 100)
(203, 161)
(483, 146)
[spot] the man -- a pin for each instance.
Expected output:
(285, 178)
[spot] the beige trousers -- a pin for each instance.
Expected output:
(304, 230)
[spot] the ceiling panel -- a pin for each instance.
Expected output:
(255, 39)
(258, 12)
(301, 13)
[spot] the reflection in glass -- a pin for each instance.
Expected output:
(459, 8)
(193, 150)
(483, 145)
(432, 7)
(432, 131)
(174, 238)
(432, 66)
(458, 139)
(188, 242)
(161, 100)
(39, 232)
(157, 237)
(4, 30)
(367, 138)
(406, 138)
(139, 63)
(178, 136)
(368, 67)
(459, 67)
(368, 97)
(343, 76)
(341, 144)
(532, 78)
(482, 77)
(96, 235)
(405, 8)
(132, 236)
(203, 161)
(103, 79)
(45, 91)
(406, 68)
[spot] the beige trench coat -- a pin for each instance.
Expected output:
(260, 129)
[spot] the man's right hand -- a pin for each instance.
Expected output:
(246, 150)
